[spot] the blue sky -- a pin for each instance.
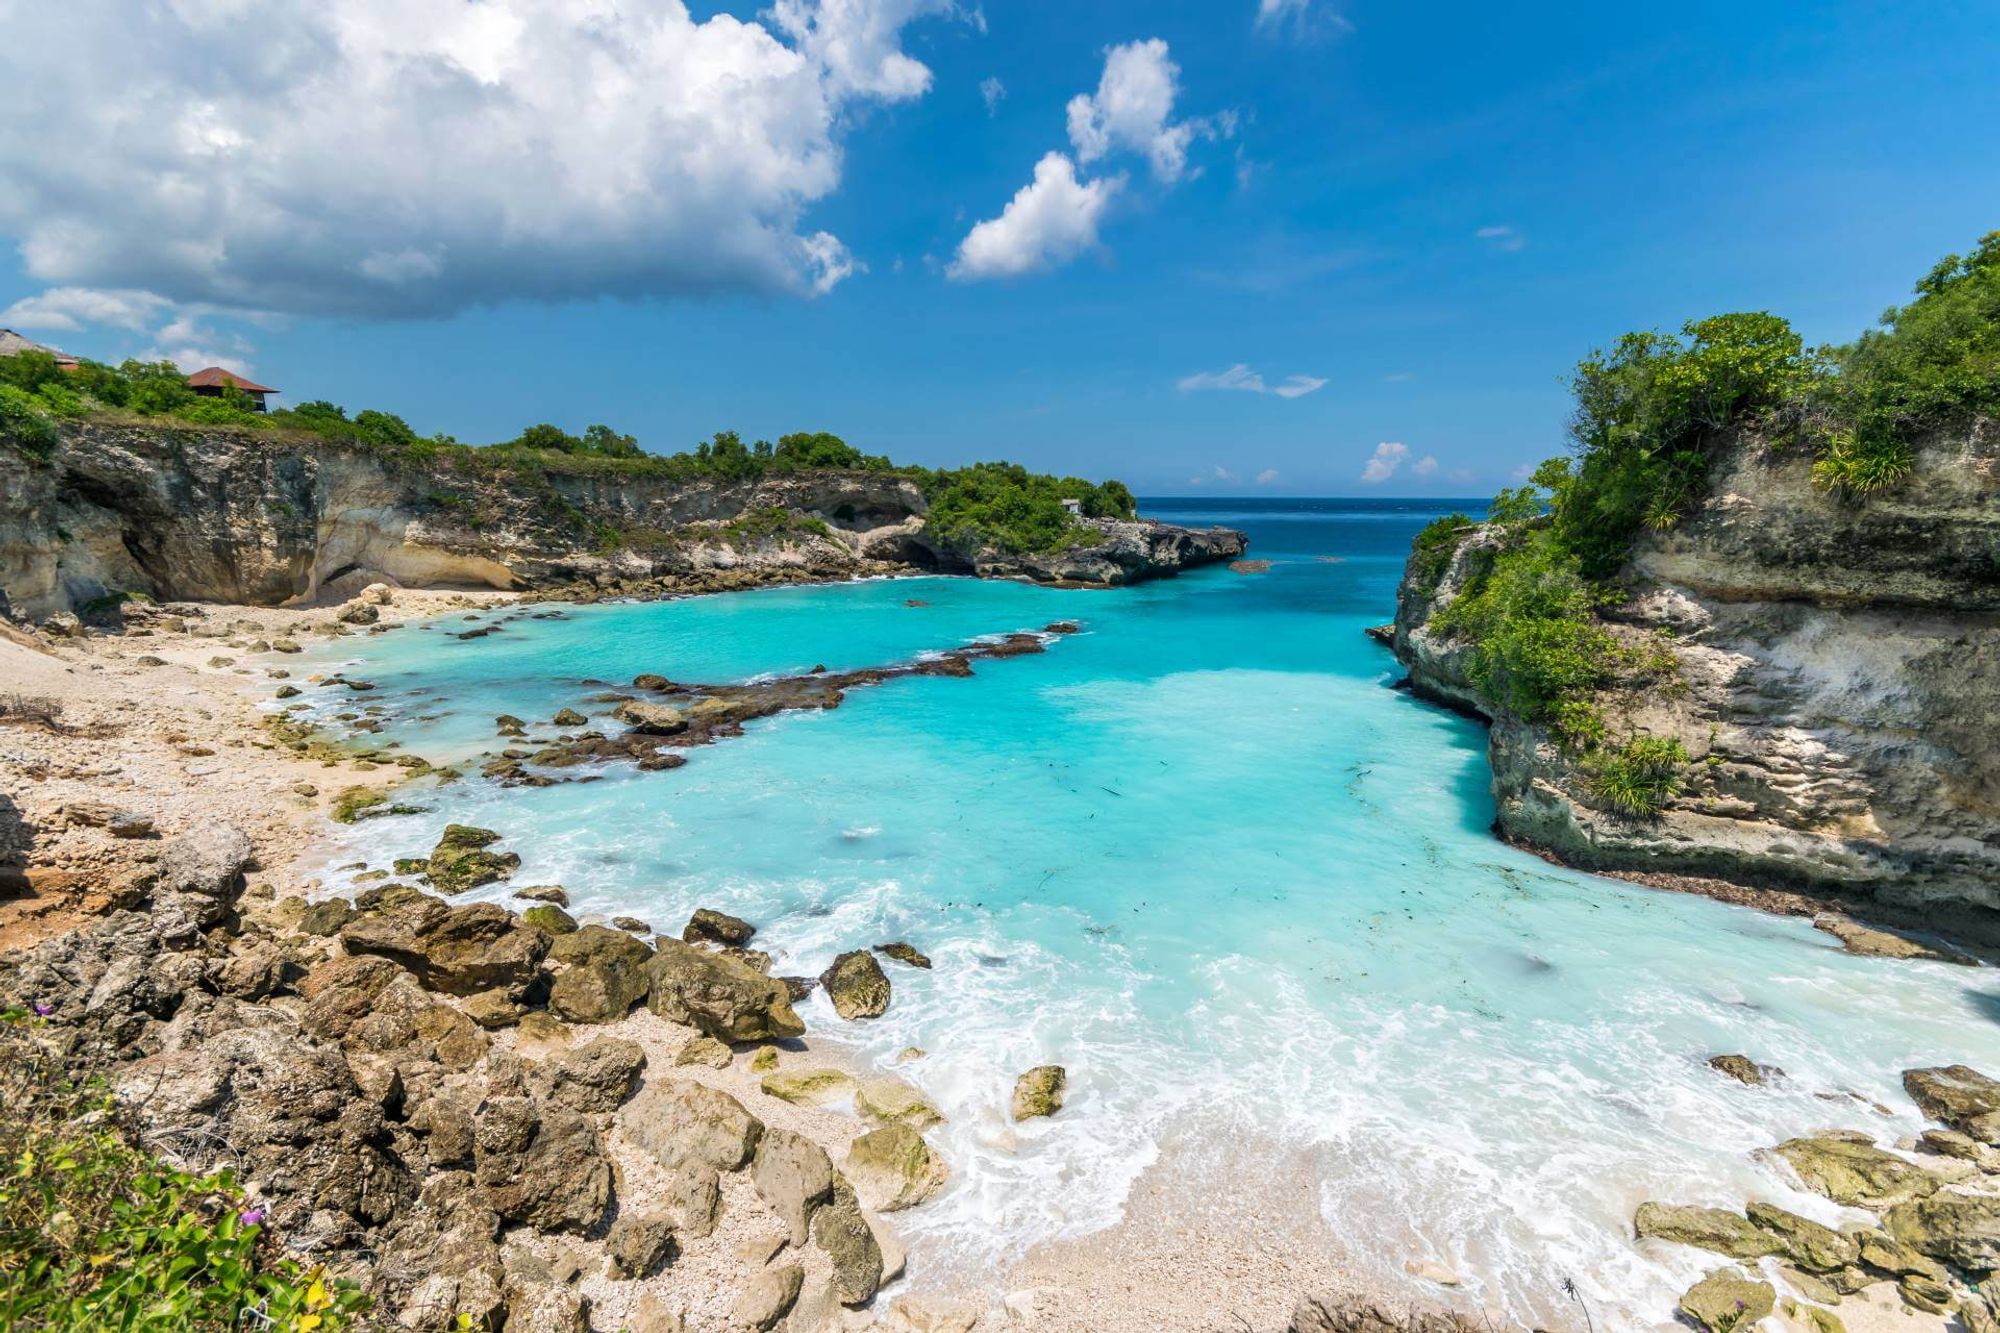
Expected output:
(1413, 219)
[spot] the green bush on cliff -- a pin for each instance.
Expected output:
(97, 1233)
(1637, 778)
(1006, 507)
(26, 422)
(1432, 549)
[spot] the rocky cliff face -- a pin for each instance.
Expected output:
(1839, 691)
(217, 514)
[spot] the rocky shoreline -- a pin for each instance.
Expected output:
(1832, 666)
(220, 514)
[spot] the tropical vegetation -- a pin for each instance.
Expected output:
(1651, 412)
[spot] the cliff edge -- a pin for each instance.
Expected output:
(1834, 685)
(218, 513)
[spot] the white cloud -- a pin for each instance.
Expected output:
(1049, 221)
(415, 157)
(1267, 476)
(1308, 18)
(1502, 238)
(991, 90)
(1382, 465)
(1132, 110)
(69, 308)
(1425, 466)
(1461, 475)
(1244, 379)
(1054, 218)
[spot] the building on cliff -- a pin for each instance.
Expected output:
(13, 344)
(214, 382)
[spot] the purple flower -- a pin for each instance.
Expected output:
(250, 1217)
(43, 1010)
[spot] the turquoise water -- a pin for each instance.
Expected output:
(1203, 856)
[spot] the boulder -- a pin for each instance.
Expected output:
(651, 719)
(678, 1120)
(691, 1197)
(1039, 1092)
(639, 1245)
(1870, 942)
(1962, 1230)
(459, 950)
(540, 1165)
(1958, 1096)
(1346, 1312)
(492, 1009)
(596, 944)
(1928, 1294)
(460, 860)
(704, 1051)
(549, 917)
(1856, 1173)
(1728, 1300)
(1813, 1247)
(1713, 1229)
(903, 953)
(598, 992)
(710, 926)
(206, 862)
(808, 1087)
(895, 1102)
(892, 1167)
(1883, 1253)
(724, 998)
(544, 893)
(1744, 1070)
(856, 985)
(794, 1176)
(596, 1077)
(842, 1233)
(569, 717)
(767, 1298)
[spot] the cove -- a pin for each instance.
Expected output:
(1203, 855)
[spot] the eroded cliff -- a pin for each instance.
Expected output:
(221, 514)
(1836, 689)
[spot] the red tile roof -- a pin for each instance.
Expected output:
(215, 377)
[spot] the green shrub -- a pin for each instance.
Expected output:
(1638, 778)
(25, 421)
(96, 1233)
(1433, 547)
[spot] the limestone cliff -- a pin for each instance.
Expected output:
(214, 513)
(1838, 691)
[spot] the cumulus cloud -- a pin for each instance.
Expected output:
(416, 157)
(1243, 379)
(1502, 238)
(1425, 466)
(991, 90)
(1382, 464)
(1267, 476)
(1055, 217)
(71, 308)
(1132, 110)
(1049, 221)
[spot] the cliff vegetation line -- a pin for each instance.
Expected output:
(1652, 411)
(1001, 506)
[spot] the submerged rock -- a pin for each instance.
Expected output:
(651, 719)
(1871, 942)
(1959, 1096)
(1039, 1092)
(856, 985)
(1744, 1070)
(549, 917)
(903, 953)
(710, 926)
(893, 1101)
(1714, 1229)
(460, 860)
(1854, 1171)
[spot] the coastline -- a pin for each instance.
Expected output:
(1201, 1243)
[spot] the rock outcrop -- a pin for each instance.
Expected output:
(1837, 663)
(192, 513)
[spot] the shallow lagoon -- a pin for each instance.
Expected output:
(1203, 856)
